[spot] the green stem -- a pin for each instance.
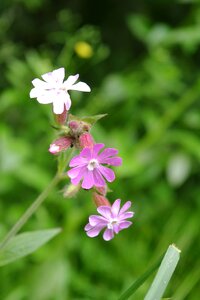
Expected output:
(30, 211)
(36, 204)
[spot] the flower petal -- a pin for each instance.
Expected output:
(96, 149)
(73, 173)
(108, 152)
(38, 83)
(80, 86)
(94, 231)
(46, 97)
(70, 81)
(78, 161)
(124, 224)
(58, 107)
(113, 161)
(115, 208)
(88, 180)
(105, 211)
(86, 153)
(108, 234)
(107, 173)
(126, 215)
(94, 220)
(125, 207)
(59, 75)
(98, 178)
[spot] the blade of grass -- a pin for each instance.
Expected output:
(132, 289)
(164, 274)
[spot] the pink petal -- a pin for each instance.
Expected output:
(73, 173)
(98, 179)
(116, 228)
(94, 220)
(105, 211)
(95, 230)
(108, 234)
(80, 86)
(70, 81)
(107, 153)
(88, 227)
(88, 180)
(124, 224)
(113, 161)
(78, 161)
(125, 207)
(86, 152)
(126, 215)
(107, 173)
(115, 208)
(96, 149)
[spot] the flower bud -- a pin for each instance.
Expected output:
(86, 140)
(74, 125)
(71, 190)
(60, 144)
(100, 200)
(61, 118)
(102, 190)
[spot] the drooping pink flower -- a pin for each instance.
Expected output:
(55, 90)
(60, 144)
(88, 165)
(113, 219)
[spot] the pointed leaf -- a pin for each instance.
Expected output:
(93, 119)
(88, 119)
(25, 243)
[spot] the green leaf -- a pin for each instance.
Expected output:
(89, 119)
(93, 119)
(25, 243)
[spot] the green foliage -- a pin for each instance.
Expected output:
(24, 244)
(144, 73)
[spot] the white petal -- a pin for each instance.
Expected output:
(48, 77)
(38, 83)
(58, 107)
(35, 92)
(59, 75)
(67, 102)
(80, 86)
(45, 98)
(70, 81)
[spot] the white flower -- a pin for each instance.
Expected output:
(55, 90)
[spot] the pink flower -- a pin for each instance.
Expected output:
(88, 166)
(55, 90)
(112, 218)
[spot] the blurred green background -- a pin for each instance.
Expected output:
(142, 60)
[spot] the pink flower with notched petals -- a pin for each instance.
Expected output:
(88, 165)
(112, 218)
(55, 90)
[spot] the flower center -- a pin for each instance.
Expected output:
(93, 163)
(112, 223)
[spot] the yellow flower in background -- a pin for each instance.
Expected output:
(83, 49)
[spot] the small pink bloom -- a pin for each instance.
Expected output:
(60, 144)
(112, 218)
(88, 165)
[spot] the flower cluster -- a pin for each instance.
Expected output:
(90, 169)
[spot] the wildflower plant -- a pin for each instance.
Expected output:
(87, 164)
